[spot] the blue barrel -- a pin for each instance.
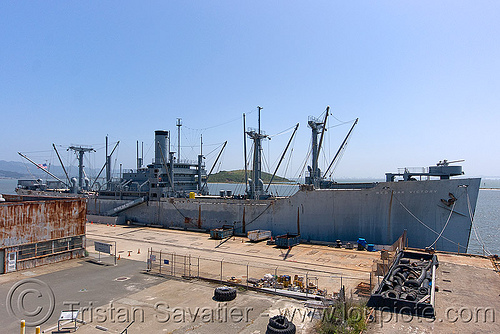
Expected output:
(370, 247)
(362, 242)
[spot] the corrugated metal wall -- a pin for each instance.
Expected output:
(24, 222)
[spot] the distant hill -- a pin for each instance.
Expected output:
(10, 175)
(26, 170)
(238, 176)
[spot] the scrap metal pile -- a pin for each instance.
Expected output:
(286, 282)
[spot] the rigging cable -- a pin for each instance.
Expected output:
(341, 123)
(29, 171)
(300, 172)
(341, 155)
(478, 237)
(260, 214)
(221, 124)
(421, 222)
(444, 227)
(283, 132)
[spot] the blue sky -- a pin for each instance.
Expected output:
(422, 76)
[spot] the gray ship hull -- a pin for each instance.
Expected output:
(380, 214)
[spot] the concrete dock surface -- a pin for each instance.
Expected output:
(111, 297)
(467, 301)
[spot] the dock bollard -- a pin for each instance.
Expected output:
(23, 327)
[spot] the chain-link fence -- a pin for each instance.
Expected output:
(301, 282)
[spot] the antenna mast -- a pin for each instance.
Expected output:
(179, 124)
(80, 150)
(245, 152)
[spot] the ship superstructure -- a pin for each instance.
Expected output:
(166, 176)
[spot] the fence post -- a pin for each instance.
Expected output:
(275, 278)
(160, 261)
(221, 270)
(247, 276)
(198, 267)
(189, 265)
(307, 282)
(173, 265)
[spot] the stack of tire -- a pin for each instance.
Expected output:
(224, 294)
(409, 280)
(280, 325)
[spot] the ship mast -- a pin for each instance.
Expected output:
(245, 153)
(80, 151)
(316, 125)
(200, 164)
(179, 124)
(256, 184)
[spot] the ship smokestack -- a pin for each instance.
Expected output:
(161, 148)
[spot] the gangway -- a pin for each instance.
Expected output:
(125, 206)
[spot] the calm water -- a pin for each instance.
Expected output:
(7, 186)
(487, 222)
(487, 217)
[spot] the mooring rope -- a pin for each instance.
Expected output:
(471, 216)
(447, 221)
(421, 222)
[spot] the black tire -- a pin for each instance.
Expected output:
(280, 325)
(224, 294)
(391, 294)
(423, 290)
(411, 296)
(412, 283)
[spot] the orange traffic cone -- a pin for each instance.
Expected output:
(118, 256)
(139, 251)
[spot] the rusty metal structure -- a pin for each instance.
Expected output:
(40, 230)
